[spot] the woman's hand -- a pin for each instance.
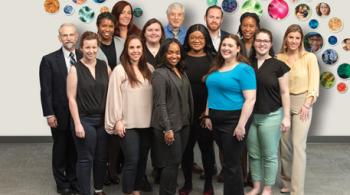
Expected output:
(285, 124)
(169, 137)
(120, 129)
(206, 123)
(304, 112)
(239, 132)
(79, 131)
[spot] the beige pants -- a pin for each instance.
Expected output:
(292, 148)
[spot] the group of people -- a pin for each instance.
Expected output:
(164, 89)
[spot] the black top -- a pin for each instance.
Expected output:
(268, 97)
(150, 58)
(111, 54)
(92, 93)
(196, 68)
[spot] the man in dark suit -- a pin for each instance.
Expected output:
(214, 17)
(53, 73)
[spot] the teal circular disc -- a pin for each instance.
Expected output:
(86, 14)
(344, 71)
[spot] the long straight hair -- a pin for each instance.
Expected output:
(142, 64)
(290, 29)
(219, 62)
(116, 11)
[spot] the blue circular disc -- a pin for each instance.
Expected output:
(332, 40)
(99, 1)
(313, 23)
(68, 10)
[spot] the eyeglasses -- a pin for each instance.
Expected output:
(196, 38)
(265, 41)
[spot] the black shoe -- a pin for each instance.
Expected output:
(64, 191)
(115, 180)
(107, 181)
(75, 189)
(145, 186)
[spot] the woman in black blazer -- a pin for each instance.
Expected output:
(172, 113)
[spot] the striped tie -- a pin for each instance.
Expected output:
(72, 59)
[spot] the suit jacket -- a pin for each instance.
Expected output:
(119, 45)
(223, 34)
(53, 87)
(167, 113)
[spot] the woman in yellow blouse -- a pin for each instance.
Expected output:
(303, 87)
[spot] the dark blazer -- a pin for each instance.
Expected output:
(167, 113)
(53, 76)
(223, 34)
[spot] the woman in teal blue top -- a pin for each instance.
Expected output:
(231, 88)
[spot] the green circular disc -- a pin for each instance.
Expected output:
(253, 6)
(212, 2)
(327, 80)
(344, 71)
(138, 12)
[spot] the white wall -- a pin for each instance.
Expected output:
(28, 33)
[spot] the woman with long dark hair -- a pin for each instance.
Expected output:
(199, 54)
(172, 113)
(231, 88)
(123, 12)
(128, 111)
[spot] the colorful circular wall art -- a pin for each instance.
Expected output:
(342, 87)
(327, 80)
(138, 12)
(313, 23)
(344, 71)
(99, 1)
(302, 11)
(346, 44)
(313, 42)
(51, 6)
(79, 2)
(335, 24)
(229, 5)
(323, 9)
(104, 9)
(252, 6)
(86, 14)
(278, 9)
(212, 2)
(332, 40)
(68, 10)
(330, 56)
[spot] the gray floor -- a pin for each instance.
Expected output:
(25, 169)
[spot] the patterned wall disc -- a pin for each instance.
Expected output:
(330, 56)
(342, 87)
(313, 23)
(51, 6)
(327, 80)
(229, 5)
(278, 9)
(302, 11)
(86, 14)
(332, 40)
(313, 42)
(79, 2)
(335, 24)
(252, 6)
(68, 10)
(344, 71)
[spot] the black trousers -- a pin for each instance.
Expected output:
(92, 154)
(224, 123)
(205, 138)
(64, 158)
(168, 158)
(135, 146)
(113, 151)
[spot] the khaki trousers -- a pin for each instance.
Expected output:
(292, 148)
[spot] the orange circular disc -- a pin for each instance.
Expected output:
(51, 6)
